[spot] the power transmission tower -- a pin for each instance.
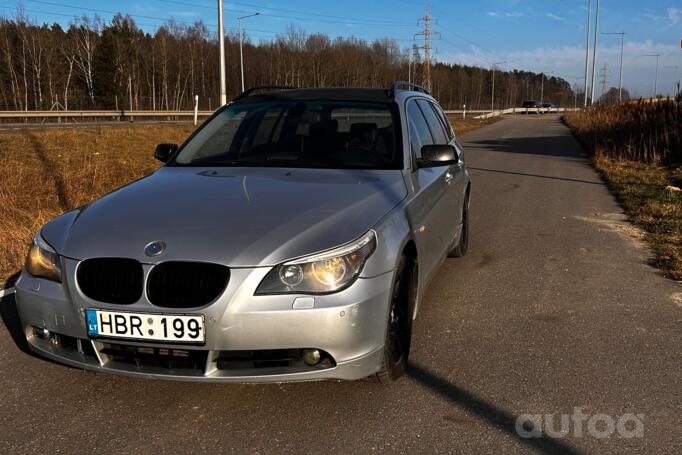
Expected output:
(604, 70)
(426, 33)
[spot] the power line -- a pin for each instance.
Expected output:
(85, 8)
(139, 24)
(212, 26)
(306, 13)
(324, 18)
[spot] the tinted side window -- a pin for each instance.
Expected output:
(420, 134)
(435, 124)
(446, 123)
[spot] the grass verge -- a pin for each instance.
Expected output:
(47, 172)
(462, 126)
(643, 190)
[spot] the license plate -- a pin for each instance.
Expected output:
(142, 326)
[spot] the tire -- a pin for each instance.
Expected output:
(462, 246)
(399, 324)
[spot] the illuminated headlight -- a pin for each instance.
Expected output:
(42, 261)
(320, 273)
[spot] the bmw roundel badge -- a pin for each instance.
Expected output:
(155, 248)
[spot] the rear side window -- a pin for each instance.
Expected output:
(446, 123)
(435, 124)
(420, 134)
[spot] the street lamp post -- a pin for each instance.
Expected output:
(241, 39)
(542, 85)
(587, 46)
(221, 46)
(594, 52)
(492, 100)
(622, 48)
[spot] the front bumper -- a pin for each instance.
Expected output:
(348, 326)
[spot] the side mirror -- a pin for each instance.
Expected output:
(434, 155)
(163, 152)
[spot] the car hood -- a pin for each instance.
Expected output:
(239, 217)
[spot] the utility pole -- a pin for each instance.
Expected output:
(542, 88)
(603, 80)
(622, 48)
(587, 46)
(594, 52)
(656, 83)
(241, 40)
(656, 80)
(221, 49)
(492, 103)
(426, 68)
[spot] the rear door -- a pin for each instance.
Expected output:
(454, 177)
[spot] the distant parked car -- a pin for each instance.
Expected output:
(548, 106)
(531, 104)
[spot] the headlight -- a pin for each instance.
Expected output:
(43, 261)
(320, 273)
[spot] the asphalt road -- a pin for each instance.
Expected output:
(554, 308)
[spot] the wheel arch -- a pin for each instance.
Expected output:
(410, 252)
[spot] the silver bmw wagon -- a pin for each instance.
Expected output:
(291, 237)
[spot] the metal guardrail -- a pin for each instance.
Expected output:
(514, 110)
(475, 111)
(121, 114)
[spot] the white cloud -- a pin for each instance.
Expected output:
(506, 14)
(554, 16)
(569, 62)
(672, 16)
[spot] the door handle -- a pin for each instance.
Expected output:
(448, 177)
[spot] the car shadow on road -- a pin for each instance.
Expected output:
(487, 412)
(557, 146)
(536, 175)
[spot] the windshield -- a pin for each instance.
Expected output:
(290, 133)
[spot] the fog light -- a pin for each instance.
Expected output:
(42, 333)
(311, 356)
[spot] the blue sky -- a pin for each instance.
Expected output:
(538, 35)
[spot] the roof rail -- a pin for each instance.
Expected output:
(397, 84)
(249, 91)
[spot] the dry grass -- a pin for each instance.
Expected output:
(462, 126)
(647, 133)
(47, 172)
(639, 154)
